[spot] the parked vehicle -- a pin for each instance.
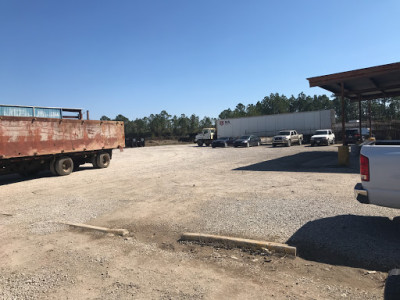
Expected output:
(287, 138)
(379, 174)
(269, 125)
(323, 137)
(247, 141)
(205, 137)
(353, 136)
(38, 138)
(223, 142)
(135, 142)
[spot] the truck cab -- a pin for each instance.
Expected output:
(205, 137)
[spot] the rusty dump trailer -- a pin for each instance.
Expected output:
(34, 139)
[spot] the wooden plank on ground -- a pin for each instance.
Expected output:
(239, 242)
(121, 232)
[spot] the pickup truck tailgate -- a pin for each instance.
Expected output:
(383, 186)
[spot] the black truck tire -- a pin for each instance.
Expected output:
(392, 286)
(103, 160)
(52, 167)
(64, 166)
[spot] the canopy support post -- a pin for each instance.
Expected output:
(369, 116)
(343, 123)
(359, 114)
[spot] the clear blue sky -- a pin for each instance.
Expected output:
(184, 56)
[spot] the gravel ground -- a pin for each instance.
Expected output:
(296, 195)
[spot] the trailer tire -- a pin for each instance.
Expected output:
(94, 161)
(103, 160)
(64, 166)
(52, 167)
(392, 286)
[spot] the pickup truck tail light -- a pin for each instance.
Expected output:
(364, 168)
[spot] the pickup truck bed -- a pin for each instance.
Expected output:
(380, 174)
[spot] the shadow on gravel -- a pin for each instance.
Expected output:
(366, 242)
(315, 161)
(15, 178)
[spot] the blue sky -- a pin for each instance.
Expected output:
(140, 57)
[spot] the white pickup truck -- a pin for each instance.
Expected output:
(380, 174)
(323, 136)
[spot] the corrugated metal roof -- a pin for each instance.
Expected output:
(362, 84)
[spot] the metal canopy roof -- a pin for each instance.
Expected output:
(362, 84)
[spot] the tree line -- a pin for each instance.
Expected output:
(164, 125)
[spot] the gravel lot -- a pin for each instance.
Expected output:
(295, 195)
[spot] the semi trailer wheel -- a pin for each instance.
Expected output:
(64, 166)
(392, 286)
(52, 167)
(103, 160)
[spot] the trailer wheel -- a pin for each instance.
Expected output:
(94, 161)
(392, 286)
(52, 167)
(64, 166)
(103, 160)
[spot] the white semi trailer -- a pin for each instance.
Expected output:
(269, 125)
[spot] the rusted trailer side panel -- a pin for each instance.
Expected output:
(24, 136)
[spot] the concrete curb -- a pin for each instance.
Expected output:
(238, 242)
(121, 232)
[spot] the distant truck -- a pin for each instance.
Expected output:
(287, 138)
(379, 174)
(40, 138)
(268, 125)
(205, 137)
